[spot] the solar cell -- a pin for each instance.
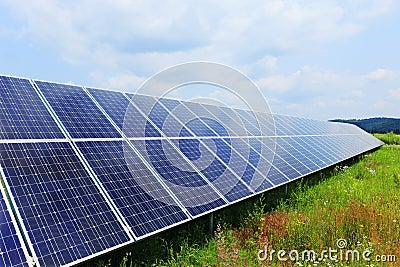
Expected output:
(22, 113)
(65, 216)
(77, 112)
(12, 252)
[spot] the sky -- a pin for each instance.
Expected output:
(314, 59)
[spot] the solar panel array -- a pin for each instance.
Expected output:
(88, 170)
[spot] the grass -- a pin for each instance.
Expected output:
(389, 138)
(358, 202)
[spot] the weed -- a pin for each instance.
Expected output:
(396, 180)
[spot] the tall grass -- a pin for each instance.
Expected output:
(359, 204)
(389, 138)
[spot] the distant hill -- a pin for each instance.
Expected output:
(376, 125)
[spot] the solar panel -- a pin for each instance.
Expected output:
(12, 252)
(229, 165)
(23, 115)
(243, 161)
(143, 201)
(135, 165)
(124, 115)
(66, 218)
(145, 104)
(194, 191)
(77, 112)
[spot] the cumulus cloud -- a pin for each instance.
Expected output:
(133, 34)
(394, 93)
(123, 82)
(123, 42)
(381, 74)
(380, 104)
(376, 8)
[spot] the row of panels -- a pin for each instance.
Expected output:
(79, 189)
(67, 217)
(94, 113)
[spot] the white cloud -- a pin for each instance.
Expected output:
(394, 93)
(333, 94)
(277, 83)
(132, 35)
(381, 74)
(380, 104)
(121, 42)
(356, 93)
(124, 82)
(376, 8)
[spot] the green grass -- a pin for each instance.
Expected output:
(389, 138)
(358, 202)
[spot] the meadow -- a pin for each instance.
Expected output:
(348, 215)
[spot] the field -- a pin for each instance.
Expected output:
(351, 212)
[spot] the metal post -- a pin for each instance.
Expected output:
(286, 189)
(211, 225)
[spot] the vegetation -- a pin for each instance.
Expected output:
(376, 125)
(357, 203)
(389, 138)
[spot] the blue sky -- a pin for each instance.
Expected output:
(315, 59)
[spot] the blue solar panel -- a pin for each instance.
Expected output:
(123, 114)
(11, 250)
(78, 113)
(182, 178)
(257, 167)
(299, 145)
(290, 158)
(204, 123)
(152, 111)
(326, 147)
(308, 143)
(280, 163)
(226, 160)
(244, 158)
(137, 193)
(249, 121)
(65, 216)
(228, 119)
(23, 114)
